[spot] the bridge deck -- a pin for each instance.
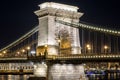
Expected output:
(81, 57)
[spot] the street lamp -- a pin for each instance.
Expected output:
(88, 47)
(59, 41)
(23, 50)
(28, 48)
(46, 45)
(4, 52)
(105, 48)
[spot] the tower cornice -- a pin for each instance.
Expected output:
(58, 13)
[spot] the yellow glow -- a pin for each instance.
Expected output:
(42, 54)
(23, 50)
(0, 54)
(28, 48)
(18, 52)
(4, 51)
(46, 45)
(59, 40)
(88, 46)
(105, 47)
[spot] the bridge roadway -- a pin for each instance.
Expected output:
(75, 59)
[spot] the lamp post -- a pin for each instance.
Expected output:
(88, 48)
(105, 48)
(59, 41)
(28, 48)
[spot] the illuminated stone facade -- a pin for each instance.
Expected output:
(59, 38)
(66, 72)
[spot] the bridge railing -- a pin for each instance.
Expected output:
(84, 57)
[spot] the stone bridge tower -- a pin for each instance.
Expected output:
(59, 38)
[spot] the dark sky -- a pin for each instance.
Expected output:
(17, 16)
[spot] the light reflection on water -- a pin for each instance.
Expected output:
(25, 77)
(14, 77)
(66, 72)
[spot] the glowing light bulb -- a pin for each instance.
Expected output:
(4, 51)
(88, 46)
(23, 50)
(28, 48)
(18, 52)
(59, 40)
(105, 47)
(46, 45)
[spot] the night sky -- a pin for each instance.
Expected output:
(17, 16)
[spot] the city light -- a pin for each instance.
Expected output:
(23, 50)
(88, 46)
(33, 52)
(105, 47)
(59, 40)
(0, 54)
(28, 48)
(18, 52)
(4, 52)
(64, 65)
(46, 45)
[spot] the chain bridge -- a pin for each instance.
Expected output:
(99, 45)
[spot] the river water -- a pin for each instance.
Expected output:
(14, 77)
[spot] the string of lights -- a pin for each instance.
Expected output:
(73, 24)
(31, 32)
(90, 27)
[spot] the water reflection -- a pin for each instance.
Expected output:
(66, 72)
(67, 75)
(14, 77)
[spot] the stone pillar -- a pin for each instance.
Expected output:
(66, 72)
(40, 70)
(51, 31)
